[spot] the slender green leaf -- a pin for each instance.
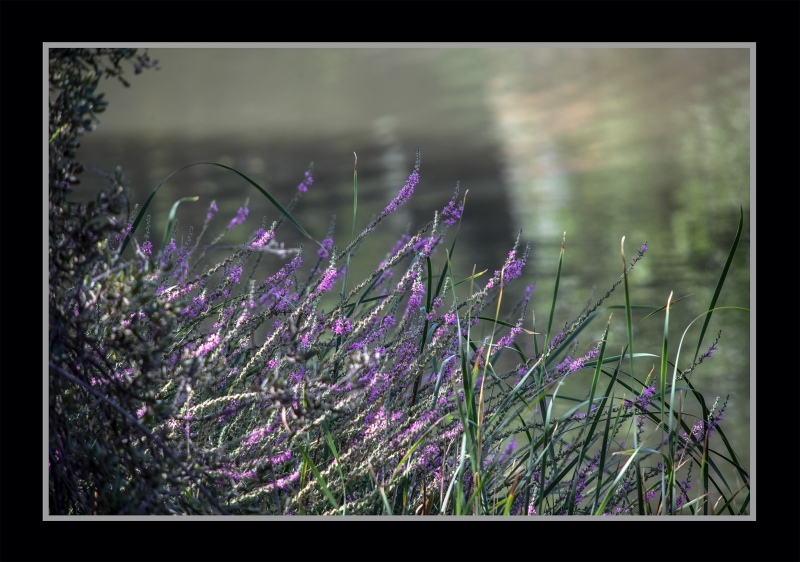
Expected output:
(470, 278)
(721, 281)
(604, 448)
(555, 296)
(659, 309)
(171, 219)
(271, 199)
(590, 432)
(332, 447)
(320, 479)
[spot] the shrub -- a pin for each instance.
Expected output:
(164, 400)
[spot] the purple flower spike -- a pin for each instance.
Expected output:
(404, 194)
(451, 213)
(327, 244)
(211, 210)
(710, 351)
(340, 327)
(241, 214)
(262, 238)
(306, 183)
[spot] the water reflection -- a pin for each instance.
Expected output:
(652, 144)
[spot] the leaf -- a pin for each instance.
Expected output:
(251, 182)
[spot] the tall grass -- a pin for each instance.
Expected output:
(389, 402)
(183, 386)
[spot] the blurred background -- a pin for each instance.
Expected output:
(650, 144)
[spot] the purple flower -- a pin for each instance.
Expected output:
(327, 244)
(306, 183)
(417, 290)
(167, 251)
(507, 340)
(451, 213)
(327, 280)
(262, 238)
(404, 194)
(528, 291)
(210, 344)
(211, 210)
(639, 253)
(234, 273)
(241, 214)
(340, 327)
(514, 269)
(147, 248)
(710, 351)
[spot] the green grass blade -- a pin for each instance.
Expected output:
(417, 444)
(663, 381)
(745, 503)
(602, 506)
(442, 276)
(500, 322)
(425, 327)
(629, 327)
(424, 338)
(533, 326)
(457, 472)
(320, 479)
(332, 447)
(171, 218)
(742, 472)
(555, 295)
(355, 194)
(604, 448)
(659, 309)
(543, 465)
(470, 278)
(633, 453)
(452, 247)
(728, 503)
(721, 280)
(353, 229)
(438, 384)
(704, 460)
(628, 322)
(588, 438)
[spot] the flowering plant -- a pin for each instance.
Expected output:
(175, 389)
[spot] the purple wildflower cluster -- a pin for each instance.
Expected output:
(452, 212)
(263, 380)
